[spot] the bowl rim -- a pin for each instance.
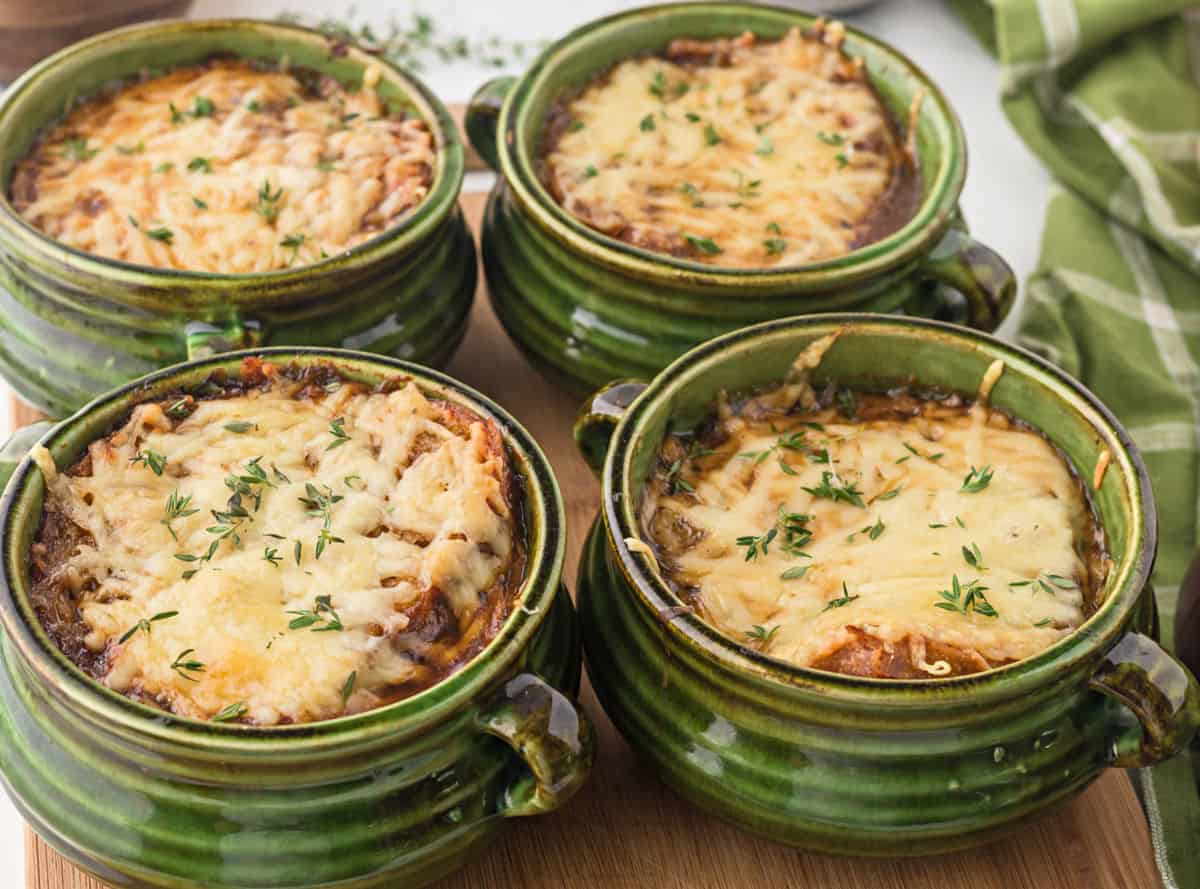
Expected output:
(545, 534)
(518, 169)
(704, 641)
(21, 238)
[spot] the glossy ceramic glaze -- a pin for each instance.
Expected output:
(395, 796)
(859, 766)
(588, 308)
(73, 325)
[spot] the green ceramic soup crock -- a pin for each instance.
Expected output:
(860, 766)
(395, 796)
(73, 325)
(588, 308)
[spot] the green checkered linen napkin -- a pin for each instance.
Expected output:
(1107, 94)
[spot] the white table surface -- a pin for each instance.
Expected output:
(1003, 201)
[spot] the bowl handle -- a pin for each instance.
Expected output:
(1159, 690)
(551, 733)
(483, 118)
(20, 443)
(599, 416)
(981, 278)
(204, 339)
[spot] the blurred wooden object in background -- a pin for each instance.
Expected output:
(30, 30)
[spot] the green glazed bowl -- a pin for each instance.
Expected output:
(860, 766)
(587, 308)
(396, 796)
(73, 325)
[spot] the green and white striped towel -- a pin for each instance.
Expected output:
(1107, 94)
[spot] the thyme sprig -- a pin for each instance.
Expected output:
(152, 460)
(761, 635)
(231, 712)
(976, 480)
(757, 543)
(145, 624)
(183, 665)
(841, 601)
(177, 508)
(962, 599)
(833, 488)
(268, 201)
(321, 613)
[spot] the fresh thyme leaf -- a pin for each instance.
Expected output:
(692, 194)
(973, 557)
(938, 525)
(831, 138)
(321, 613)
(590, 171)
(821, 456)
(692, 117)
(297, 550)
(576, 126)
(239, 426)
(773, 228)
(200, 205)
(1063, 583)
(705, 245)
(76, 148)
(338, 431)
(841, 601)
(254, 105)
(1020, 583)
(960, 523)
(647, 124)
(786, 469)
(1045, 621)
(1045, 586)
(795, 573)
(762, 635)
(890, 495)
(876, 530)
(711, 137)
(145, 624)
(200, 165)
(756, 544)
(348, 687)
(202, 107)
(832, 488)
(231, 712)
(279, 477)
(131, 149)
(152, 460)
(180, 408)
(177, 116)
(977, 480)
(161, 234)
(268, 201)
(961, 599)
(164, 167)
(177, 508)
(841, 159)
(271, 555)
(183, 667)
(658, 85)
(775, 246)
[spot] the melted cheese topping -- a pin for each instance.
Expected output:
(414, 510)
(776, 153)
(883, 556)
(225, 168)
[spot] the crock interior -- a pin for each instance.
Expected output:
(20, 514)
(46, 93)
(573, 61)
(875, 353)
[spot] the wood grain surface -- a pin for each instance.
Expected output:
(626, 829)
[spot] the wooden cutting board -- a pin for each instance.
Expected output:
(626, 829)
